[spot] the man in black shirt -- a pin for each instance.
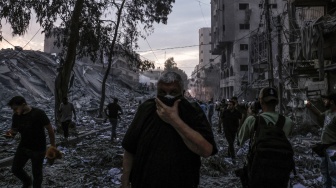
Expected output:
(30, 123)
(165, 140)
(112, 112)
(230, 118)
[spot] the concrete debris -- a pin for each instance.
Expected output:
(90, 158)
(95, 161)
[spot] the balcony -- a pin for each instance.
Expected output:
(258, 46)
(305, 3)
(305, 68)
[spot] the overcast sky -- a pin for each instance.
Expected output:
(187, 18)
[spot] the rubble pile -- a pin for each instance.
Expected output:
(32, 73)
(94, 161)
(219, 169)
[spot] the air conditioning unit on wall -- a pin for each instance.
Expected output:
(266, 75)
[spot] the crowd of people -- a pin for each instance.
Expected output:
(169, 134)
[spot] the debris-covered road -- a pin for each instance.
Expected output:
(92, 160)
(95, 161)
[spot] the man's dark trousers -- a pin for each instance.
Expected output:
(21, 158)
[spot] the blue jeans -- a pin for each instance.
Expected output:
(21, 158)
(114, 123)
(328, 168)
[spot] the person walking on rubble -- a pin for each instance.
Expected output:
(328, 138)
(230, 119)
(165, 140)
(30, 122)
(113, 112)
(65, 111)
(270, 157)
(220, 107)
(211, 108)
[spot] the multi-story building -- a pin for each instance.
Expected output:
(50, 47)
(313, 52)
(233, 23)
(206, 68)
(193, 85)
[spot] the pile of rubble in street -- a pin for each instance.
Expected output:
(91, 159)
(95, 161)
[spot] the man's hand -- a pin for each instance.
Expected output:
(10, 134)
(166, 113)
(308, 105)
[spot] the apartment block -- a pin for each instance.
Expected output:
(233, 25)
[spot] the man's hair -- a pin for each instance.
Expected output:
(171, 77)
(271, 103)
(17, 100)
(234, 98)
(232, 101)
(115, 100)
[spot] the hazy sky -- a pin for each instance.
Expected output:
(187, 18)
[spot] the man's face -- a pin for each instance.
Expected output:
(172, 89)
(230, 106)
(326, 103)
(17, 109)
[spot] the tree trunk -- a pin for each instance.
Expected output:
(110, 55)
(63, 77)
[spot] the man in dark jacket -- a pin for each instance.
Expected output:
(166, 139)
(220, 108)
(230, 118)
(113, 112)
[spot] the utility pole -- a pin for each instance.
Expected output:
(269, 44)
(279, 58)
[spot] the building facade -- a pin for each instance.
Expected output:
(204, 77)
(233, 23)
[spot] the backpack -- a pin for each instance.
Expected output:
(270, 156)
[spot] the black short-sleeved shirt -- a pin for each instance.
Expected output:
(31, 127)
(231, 119)
(113, 109)
(161, 158)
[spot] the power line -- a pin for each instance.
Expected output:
(202, 2)
(189, 46)
(32, 38)
(171, 48)
(199, 2)
(24, 45)
(7, 41)
(151, 50)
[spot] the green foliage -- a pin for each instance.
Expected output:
(97, 23)
(171, 65)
